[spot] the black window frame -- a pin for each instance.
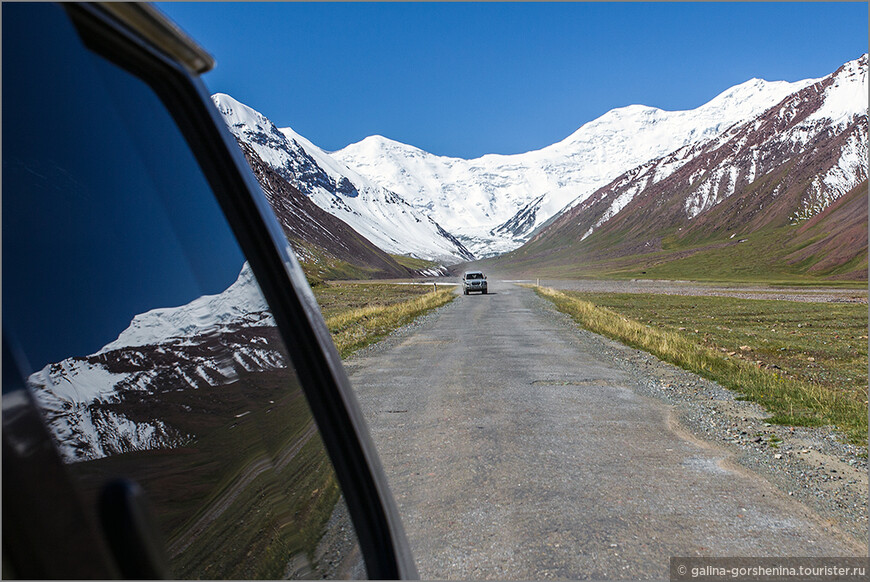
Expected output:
(333, 404)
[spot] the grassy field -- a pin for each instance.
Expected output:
(359, 314)
(805, 362)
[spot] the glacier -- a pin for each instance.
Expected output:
(380, 215)
(494, 188)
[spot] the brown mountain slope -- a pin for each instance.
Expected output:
(833, 240)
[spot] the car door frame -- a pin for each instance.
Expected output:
(332, 401)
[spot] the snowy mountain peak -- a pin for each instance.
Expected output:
(494, 203)
(244, 121)
(378, 144)
(732, 105)
(753, 94)
(380, 215)
(241, 303)
(237, 113)
(846, 95)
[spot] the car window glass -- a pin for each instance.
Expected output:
(152, 352)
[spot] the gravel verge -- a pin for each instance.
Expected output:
(813, 465)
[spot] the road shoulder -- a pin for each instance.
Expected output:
(811, 465)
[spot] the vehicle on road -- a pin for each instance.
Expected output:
(474, 281)
(173, 403)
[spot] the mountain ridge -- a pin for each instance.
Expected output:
(776, 170)
(556, 175)
(495, 203)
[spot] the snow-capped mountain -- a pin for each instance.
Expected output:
(781, 167)
(381, 216)
(408, 201)
(495, 202)
(116, 401)
(241, 304)
(326, 246)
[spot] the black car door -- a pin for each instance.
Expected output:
(172, 402)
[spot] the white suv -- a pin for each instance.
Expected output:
(474, 281)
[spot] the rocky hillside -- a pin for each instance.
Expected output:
(799, 167)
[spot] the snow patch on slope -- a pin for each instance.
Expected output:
(846, 97)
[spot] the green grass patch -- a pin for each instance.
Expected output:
(810, 375)
(758, 259)
(821, 343)
(359, 314)
(415, 263)
(322, 266)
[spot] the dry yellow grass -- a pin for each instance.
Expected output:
(356, 328)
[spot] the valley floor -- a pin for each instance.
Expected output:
(519, 446)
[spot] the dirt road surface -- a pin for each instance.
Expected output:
(517, 448)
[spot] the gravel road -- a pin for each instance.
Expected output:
(521, 447)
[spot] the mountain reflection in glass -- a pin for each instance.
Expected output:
(198, 405)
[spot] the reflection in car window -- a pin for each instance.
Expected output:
(152, 351)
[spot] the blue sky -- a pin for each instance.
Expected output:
(468, 79)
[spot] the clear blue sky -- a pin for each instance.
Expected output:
(469, 79)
